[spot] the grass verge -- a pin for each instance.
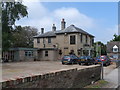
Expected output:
(98, 84)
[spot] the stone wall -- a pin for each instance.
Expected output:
(72, 78)
(52, 55)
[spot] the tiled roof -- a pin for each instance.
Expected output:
(47, 34)
(110, 46)
(70, 29)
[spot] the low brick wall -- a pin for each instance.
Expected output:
(72, 78)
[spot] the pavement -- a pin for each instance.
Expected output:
(111, 76)
(22, 69)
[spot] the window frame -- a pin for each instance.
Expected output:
(28, 53)
(86, 39)
(115, 49)
(38, 40)
(46, 53)
(43, 40)
(81, 38)
(49, 40)
(72, 39)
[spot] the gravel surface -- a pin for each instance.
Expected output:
(23, 69)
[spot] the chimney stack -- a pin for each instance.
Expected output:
(42, 30)
(63, 24)
(53, 27)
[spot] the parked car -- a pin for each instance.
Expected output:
(70, 59)
(86, 60)
(104, 58)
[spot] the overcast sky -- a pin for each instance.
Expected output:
(98, 18)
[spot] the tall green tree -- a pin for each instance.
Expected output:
(100, 48)
(11, 11)
(116, 38)
(23, 36)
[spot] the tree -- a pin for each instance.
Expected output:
(23, 36)
(99, 48)
(11, 11)
(116, 38)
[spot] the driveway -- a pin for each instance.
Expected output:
(23, 69)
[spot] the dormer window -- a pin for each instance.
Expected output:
(115, 48)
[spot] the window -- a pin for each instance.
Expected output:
(72, 39)
(115, 49)
(38, 40)
(86, 39)
(81, 38)
(29, 53)
(46, 53)
(49, 40)
(92, 41)
(43, 40)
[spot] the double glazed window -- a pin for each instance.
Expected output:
(29, 53)
(72, 39)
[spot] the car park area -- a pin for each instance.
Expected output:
(22, 69)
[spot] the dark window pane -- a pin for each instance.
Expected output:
(72, 39)
(81, 38)
(49, 40)
(46, 53)
(43, 40)
(86, 38)
(38, 40)
(29, 53)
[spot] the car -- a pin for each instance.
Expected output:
(70, 59)
(86, 60)
(103, 58)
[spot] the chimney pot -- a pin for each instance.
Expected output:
(63, 19)
(63, 24)
(42, 30)
(53, 27)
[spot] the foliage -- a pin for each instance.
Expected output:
(11, 11)
(23, 36)
(97, 84)
(116, 38)
(99, 48)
